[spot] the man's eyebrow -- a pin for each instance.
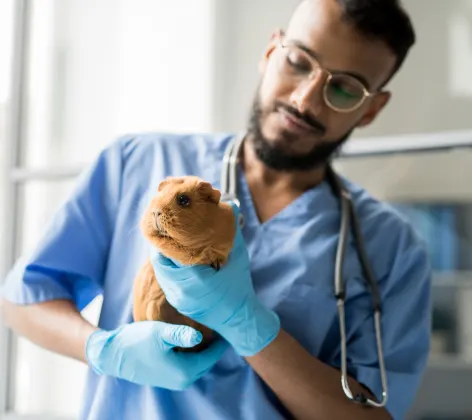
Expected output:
(317, 56)
(357, 76)
(303, 47)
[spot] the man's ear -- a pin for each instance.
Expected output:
(274, 39)
(379, 101)
(207, 192)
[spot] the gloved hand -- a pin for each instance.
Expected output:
(222, 300)
(142, 353)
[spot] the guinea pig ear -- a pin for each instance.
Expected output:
(168, 180)
(207, 192)
(162, 184)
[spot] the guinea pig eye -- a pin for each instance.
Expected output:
(183, 200)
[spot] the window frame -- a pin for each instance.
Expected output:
(12, 178)
(12, 153)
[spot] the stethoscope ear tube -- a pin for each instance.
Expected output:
(229, 181)
(333, 180)
(225, 168)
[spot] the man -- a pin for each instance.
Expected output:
(279, 356)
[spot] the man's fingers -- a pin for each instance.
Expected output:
(179, 335)
(159, 259)
(201, 362)
(216, 349)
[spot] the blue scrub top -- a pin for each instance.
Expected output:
(93, 246)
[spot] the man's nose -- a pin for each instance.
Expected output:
(309, 93)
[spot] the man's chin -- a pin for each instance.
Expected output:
(282, 150)
(286, 154)
(291, 144)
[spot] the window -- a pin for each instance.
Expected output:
(6, 59)
(91, 71)
(431, 189)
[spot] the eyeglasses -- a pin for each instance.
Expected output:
(342, 92)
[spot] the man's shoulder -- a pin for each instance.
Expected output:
(384, 224)
(142, 160)
(137, 145)
(395, 248)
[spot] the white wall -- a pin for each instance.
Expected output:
(442, 177)
(245, 29)
(115, 66)
(433, 92)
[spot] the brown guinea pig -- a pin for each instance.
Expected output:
(187, 222)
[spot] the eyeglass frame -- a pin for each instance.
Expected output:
(366, 93)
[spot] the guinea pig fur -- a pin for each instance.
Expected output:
(188, 223)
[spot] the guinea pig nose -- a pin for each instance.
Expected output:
(157, 212)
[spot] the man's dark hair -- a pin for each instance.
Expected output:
(385, 20)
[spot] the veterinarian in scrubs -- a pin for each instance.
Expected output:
(280, 356)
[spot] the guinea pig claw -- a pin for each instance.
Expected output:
(216, 265)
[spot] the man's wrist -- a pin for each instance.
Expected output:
(251, 328)
(86, 332)
(91, 356)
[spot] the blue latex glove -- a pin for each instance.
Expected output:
(142, 353)
(222, 300)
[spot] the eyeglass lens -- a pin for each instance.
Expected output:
(342, 91)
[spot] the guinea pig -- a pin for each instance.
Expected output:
(188, 223)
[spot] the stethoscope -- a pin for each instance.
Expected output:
(228, 187)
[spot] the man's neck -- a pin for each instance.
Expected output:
(295, 182)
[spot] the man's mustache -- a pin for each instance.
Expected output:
(307, 118)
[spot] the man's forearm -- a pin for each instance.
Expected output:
(308, 388)
(56, 326)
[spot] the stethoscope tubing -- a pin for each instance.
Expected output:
(228, 186)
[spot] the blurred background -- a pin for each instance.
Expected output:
(75, 74)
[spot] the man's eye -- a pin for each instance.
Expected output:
(298, 62)
(183, 200)
(346, 90)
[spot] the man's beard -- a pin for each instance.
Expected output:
(277, 159)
